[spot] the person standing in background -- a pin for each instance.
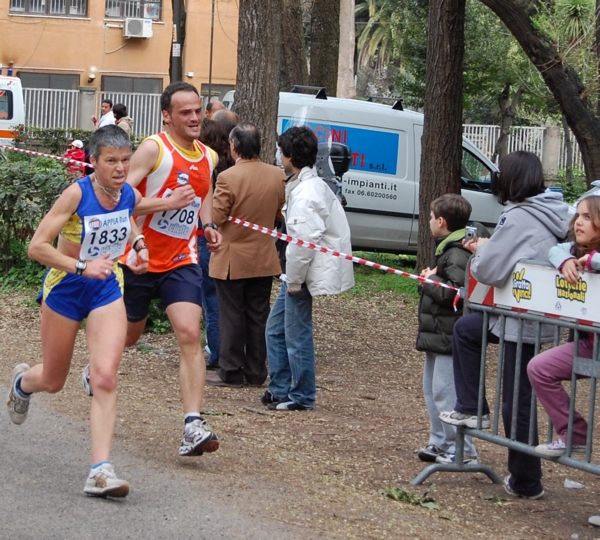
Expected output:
(107, 117)
(122, 120)
(243, 269)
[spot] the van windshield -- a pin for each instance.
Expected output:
(475, 174)
(6, 105)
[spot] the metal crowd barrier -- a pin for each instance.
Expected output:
(537, 293)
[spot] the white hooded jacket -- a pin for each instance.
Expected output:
(313, 213)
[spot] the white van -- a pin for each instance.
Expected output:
(382, 185)
(12, 108)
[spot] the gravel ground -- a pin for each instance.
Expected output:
(325, 468)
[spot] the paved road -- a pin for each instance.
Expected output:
(43, 464)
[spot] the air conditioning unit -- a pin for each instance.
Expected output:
(137, 28)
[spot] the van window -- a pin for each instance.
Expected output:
(6, 105)
(475, 174)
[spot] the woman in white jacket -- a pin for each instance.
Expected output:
(313, 213)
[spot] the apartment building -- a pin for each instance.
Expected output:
(117, 45)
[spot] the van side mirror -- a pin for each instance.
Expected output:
(494, 182)
(338, 154)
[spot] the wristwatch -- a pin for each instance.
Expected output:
(80, 266)
(211, 225)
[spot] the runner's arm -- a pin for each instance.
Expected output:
(213, 237)
(142, 164)
(142, 255)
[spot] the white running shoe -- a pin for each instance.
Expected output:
(460, 419)
(103, 482)
(450, 458)
(198, 438)
(18, 406)
(558, 448)
(85, 381)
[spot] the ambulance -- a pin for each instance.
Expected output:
(12, 108)
(381, 186)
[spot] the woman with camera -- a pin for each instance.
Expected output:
(527, 229)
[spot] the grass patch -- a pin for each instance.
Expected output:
(370, 280)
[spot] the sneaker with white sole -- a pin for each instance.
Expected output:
(429, 453)
(198, 438)
(460, 419)
(558, 448)
(18, 406)
(449, 457)
(508, 488)
(103, 482)
(287, 405)
(594, 520)
(85, 381)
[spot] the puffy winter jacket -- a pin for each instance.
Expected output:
(436, 308)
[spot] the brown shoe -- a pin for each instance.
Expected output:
(213, 379)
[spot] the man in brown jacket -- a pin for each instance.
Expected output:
(243, 269)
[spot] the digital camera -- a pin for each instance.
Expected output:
(471, 233)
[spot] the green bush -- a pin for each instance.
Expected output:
(56, 140)
(29, 186)
(53, 141)
(572, 190)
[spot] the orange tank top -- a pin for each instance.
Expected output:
(171, 235)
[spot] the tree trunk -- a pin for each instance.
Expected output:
(442, 131)
(597, 45)
(345, 83)
(295, 68)
(508, 109)
(325, 43)
(569, 150)
(561, 79)
(258, 71)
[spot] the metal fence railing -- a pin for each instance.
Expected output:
(526, 138)
(144, 109)
(51, 108)
(565, 318)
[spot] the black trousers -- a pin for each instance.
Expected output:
(243, 311)
(526, 470)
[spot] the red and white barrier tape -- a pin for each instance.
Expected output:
(357, 260)
(40, 154)
(285, 237)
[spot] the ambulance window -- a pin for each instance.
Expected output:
(475, 174)
(6, 105)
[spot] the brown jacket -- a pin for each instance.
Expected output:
(253, 191)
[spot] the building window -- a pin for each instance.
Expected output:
(137, 9)
(138, 85)
(53, 81)
(52, 8)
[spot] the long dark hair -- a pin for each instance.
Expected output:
(119, 110)
(521, 176)
(213, 134)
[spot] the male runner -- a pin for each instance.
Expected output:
(161, 164)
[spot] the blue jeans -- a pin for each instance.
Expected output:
(291, 349)
(210, 302)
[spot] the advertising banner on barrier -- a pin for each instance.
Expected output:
(540, 288)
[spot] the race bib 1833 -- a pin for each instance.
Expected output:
(106, 233)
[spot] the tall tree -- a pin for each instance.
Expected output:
(565, 84)
(442, 131)
(345, 83)
(258, 71)
(324, 47)
(295, 68)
